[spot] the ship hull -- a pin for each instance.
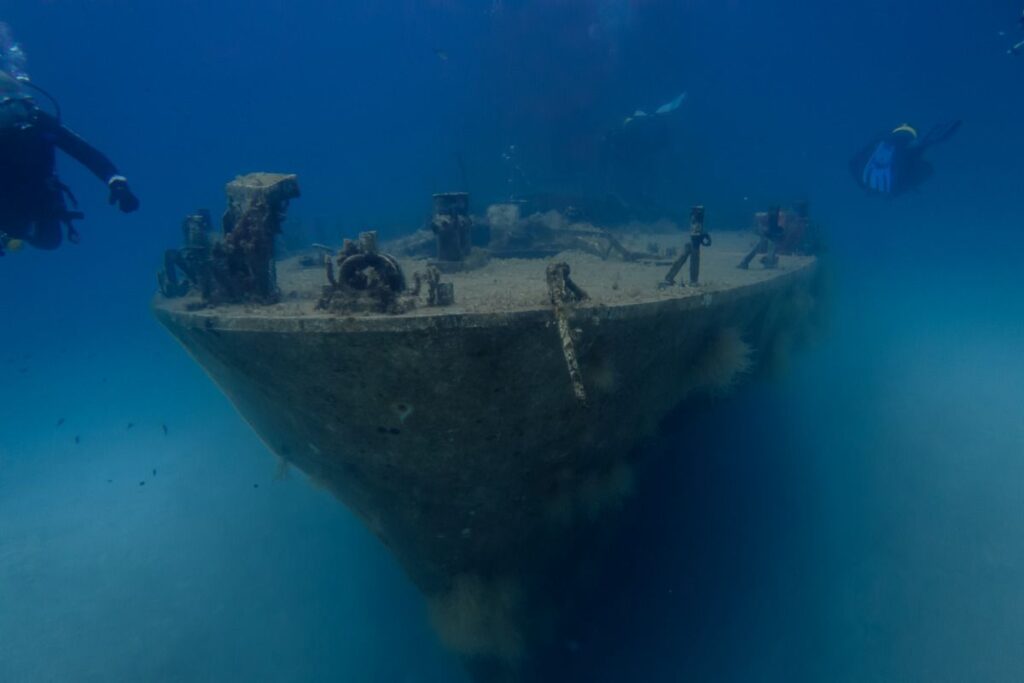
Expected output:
(460, 442)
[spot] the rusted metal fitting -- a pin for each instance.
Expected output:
(691, 251)
(451, 225)
(564, 294)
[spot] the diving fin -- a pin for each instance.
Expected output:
(638, 114)
(670, 107)
(940, 133)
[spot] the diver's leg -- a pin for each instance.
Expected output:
(45, 234)
(15, 211)
(50, 214)
(15, 230)
(939, 133)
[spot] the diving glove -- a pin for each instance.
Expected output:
(122, 195)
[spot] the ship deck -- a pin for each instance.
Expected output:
(517, 285)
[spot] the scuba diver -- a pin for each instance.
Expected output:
(634, 157)
(1019, 47)
(33, 208)
(894, 163)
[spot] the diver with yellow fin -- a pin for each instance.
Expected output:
(33, 200)
(894, 163)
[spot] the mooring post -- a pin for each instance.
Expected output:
(698, 238)
(768, 234)
(244, 264)
(196, 229)
(773, 237)
(451, 224)
(691, 251)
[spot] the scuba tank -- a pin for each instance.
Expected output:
(18, 109)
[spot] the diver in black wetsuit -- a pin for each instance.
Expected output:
(894, 163)
(33, 208)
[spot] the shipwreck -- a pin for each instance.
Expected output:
(479, 391)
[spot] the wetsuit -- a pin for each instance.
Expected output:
(33, 203)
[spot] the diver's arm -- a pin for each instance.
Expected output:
(94, 160)
(78, 149)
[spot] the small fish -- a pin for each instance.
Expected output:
(130, 425)
(78, 439)
(142, 483)
(60, 421)
(441, 54)
(164, 427)
(110, 481)
(255, 486)
(154, 472)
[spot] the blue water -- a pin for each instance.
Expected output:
(866, 524)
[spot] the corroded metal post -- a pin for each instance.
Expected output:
(769, 233)
(238, 267)
(192, 260)
(244, 260)
(451, 225)
(691, 251)
(697, 238)
(564, 293)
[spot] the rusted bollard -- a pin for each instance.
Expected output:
(691, 251)
(698, 238)
(192, 260)
(769, 233)
(451, 224)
